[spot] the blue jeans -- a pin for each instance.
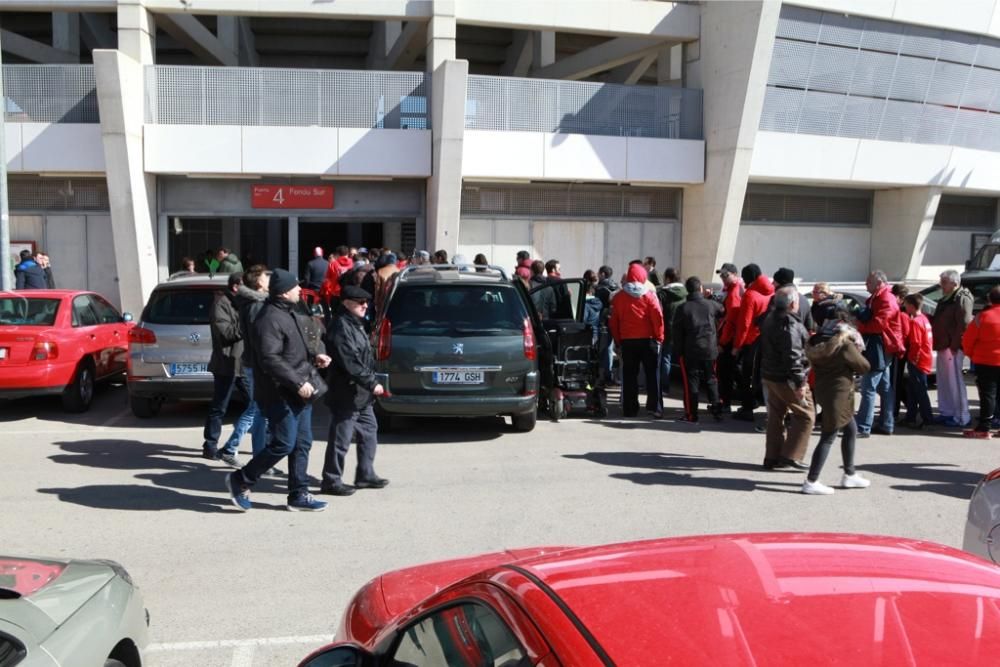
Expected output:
(877, 382)
(665, 368)
(916, 395)
(291, 436)
(251, 420)
(223, 386)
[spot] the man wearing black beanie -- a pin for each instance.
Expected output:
(287, 385)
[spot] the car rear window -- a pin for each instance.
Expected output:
(28, 311)
(456, 310)
(180, 306)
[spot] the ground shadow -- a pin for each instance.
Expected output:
(432, 431)
(108, 398)
(138, 498)
(941, 478)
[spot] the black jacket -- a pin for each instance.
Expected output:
(783, 349)
(805, 314)
(694, 331)
(248, 304)
(227, 337)
(351, 374)
(282, 362)
(28, 275)
(316, 272)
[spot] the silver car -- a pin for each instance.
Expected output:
(982, 527)
(63, 613)
(171, 345)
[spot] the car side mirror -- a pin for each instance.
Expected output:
(338, 656)
(127, 317)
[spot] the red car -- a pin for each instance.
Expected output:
(753, 599)
(60, 342)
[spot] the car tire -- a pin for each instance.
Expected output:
(524, 422)
(144, 408)
(78, 394)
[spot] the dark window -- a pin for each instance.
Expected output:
(83, 314)
(180, 306)
(764, 204)
(456, 310)
(28, 312)
(966, 212)
(106, 313)
(468, 635)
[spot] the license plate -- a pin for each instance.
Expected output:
(457, 377)
(3, 353)
(188, 369)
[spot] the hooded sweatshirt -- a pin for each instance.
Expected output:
(755, 301)
(331, 282)
(635, 310)
(734, 297)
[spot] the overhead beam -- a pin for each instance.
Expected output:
(361, 10)
(66, 33)
(412, 40)
(248, 44)
(519, 55)
(544, 47)
(95, 30)
(33, 51)
(630, 73)
(318, 44)
(64, 5)
(198, 39)
(605, 56)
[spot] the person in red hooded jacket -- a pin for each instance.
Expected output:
(329, 291)
(733, 289)
(636, 325)
(746, 346)
(981, 343)
(882, 330)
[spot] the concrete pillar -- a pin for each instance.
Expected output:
(444, 188)
(734, 56)
(66, 33)
(669, 65)
(544, 48)
(441, 35)
(136, 31)
(901, 225)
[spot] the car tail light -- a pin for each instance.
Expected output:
(44, 351)
(140, 335)
(530, 352)
(383, 347)
(992, 476)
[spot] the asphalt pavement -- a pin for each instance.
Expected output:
(264, 588)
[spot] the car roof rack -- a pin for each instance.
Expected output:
(435, 272)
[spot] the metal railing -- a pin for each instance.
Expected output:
(179, 95)
(50, 94)
(576, 107)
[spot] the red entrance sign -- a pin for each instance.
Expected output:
(292, 196)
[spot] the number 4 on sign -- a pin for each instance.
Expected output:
(279, 197)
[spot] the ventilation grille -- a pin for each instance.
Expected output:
(808, 208)
(966, 213)
(409, 238)
(58, 194)
(553, 200)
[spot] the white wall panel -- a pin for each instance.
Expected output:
(62, 147)
(806, 249)
(585, 157)
(807, 157)
(577, 245)
(624, 243)
(946, 249)
(65, 241)
(28, 228)
(101, 267)
(971, 16)
(973, 170)
(290, 150)
(12, 145)
(384, 152)
(665, 160)
(193, 149)
(488, 154)
(509, 236)
(910, 164)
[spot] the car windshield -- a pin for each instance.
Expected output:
(456, 310)
(180, 306)
(28, 311)
(984, 259)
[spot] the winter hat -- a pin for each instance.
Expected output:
(281, 281)
(728, 268)
(636, 274)
(523, 272)
(355, 293)
(750, 273)
(784, 276)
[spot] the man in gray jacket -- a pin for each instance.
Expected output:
(951, 317)
(784, 370)
(225, 366)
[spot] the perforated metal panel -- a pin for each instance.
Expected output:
(576, 107)
(840, 75)
(50, 93)
(30, 194)
(286, 97)
(966, 212)
(568, 200)
(790, 205)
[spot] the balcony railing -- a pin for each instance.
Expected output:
(576, 107)
(180, 95)
(50, 94)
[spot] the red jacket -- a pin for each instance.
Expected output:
(754, 303)
(919, 342)
(635, 310)
(981, 340)
(331, 282)
(734, 296)
(885, 321)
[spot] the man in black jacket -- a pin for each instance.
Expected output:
(696, 343)
(28, 274)
(227, 374)
(316, 270)
(353, 388)
(785, 370)
(285, 384)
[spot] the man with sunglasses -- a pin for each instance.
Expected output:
(353, 389)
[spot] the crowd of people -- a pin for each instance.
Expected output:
(34, 271)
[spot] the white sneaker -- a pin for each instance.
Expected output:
(855, 481)
(816, 489)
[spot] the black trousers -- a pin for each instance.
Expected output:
(695, 374)
(751, 388)
(344, 425)
(823, 450)
(728, 370)
(644, 352)
(987, 379)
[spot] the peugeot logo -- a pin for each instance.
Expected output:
(458, 348)
(194, 337)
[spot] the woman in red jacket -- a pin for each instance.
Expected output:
(636, 325)
(981, 343)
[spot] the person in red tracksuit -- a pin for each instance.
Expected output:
(636, 325)
(329, 291)
(733, 287)
(981, 343)
(745, 338)
(919, 343)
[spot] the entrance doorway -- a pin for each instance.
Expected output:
(328, 235)
(254, 240)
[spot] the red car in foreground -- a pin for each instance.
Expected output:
(754, 599)
(60, 342)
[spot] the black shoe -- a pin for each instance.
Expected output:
(338, 490)
(688, 420)
(777, 464)
(792, 463)
(743, 415)
(210, 454)
(371, 483)
(864, 434)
